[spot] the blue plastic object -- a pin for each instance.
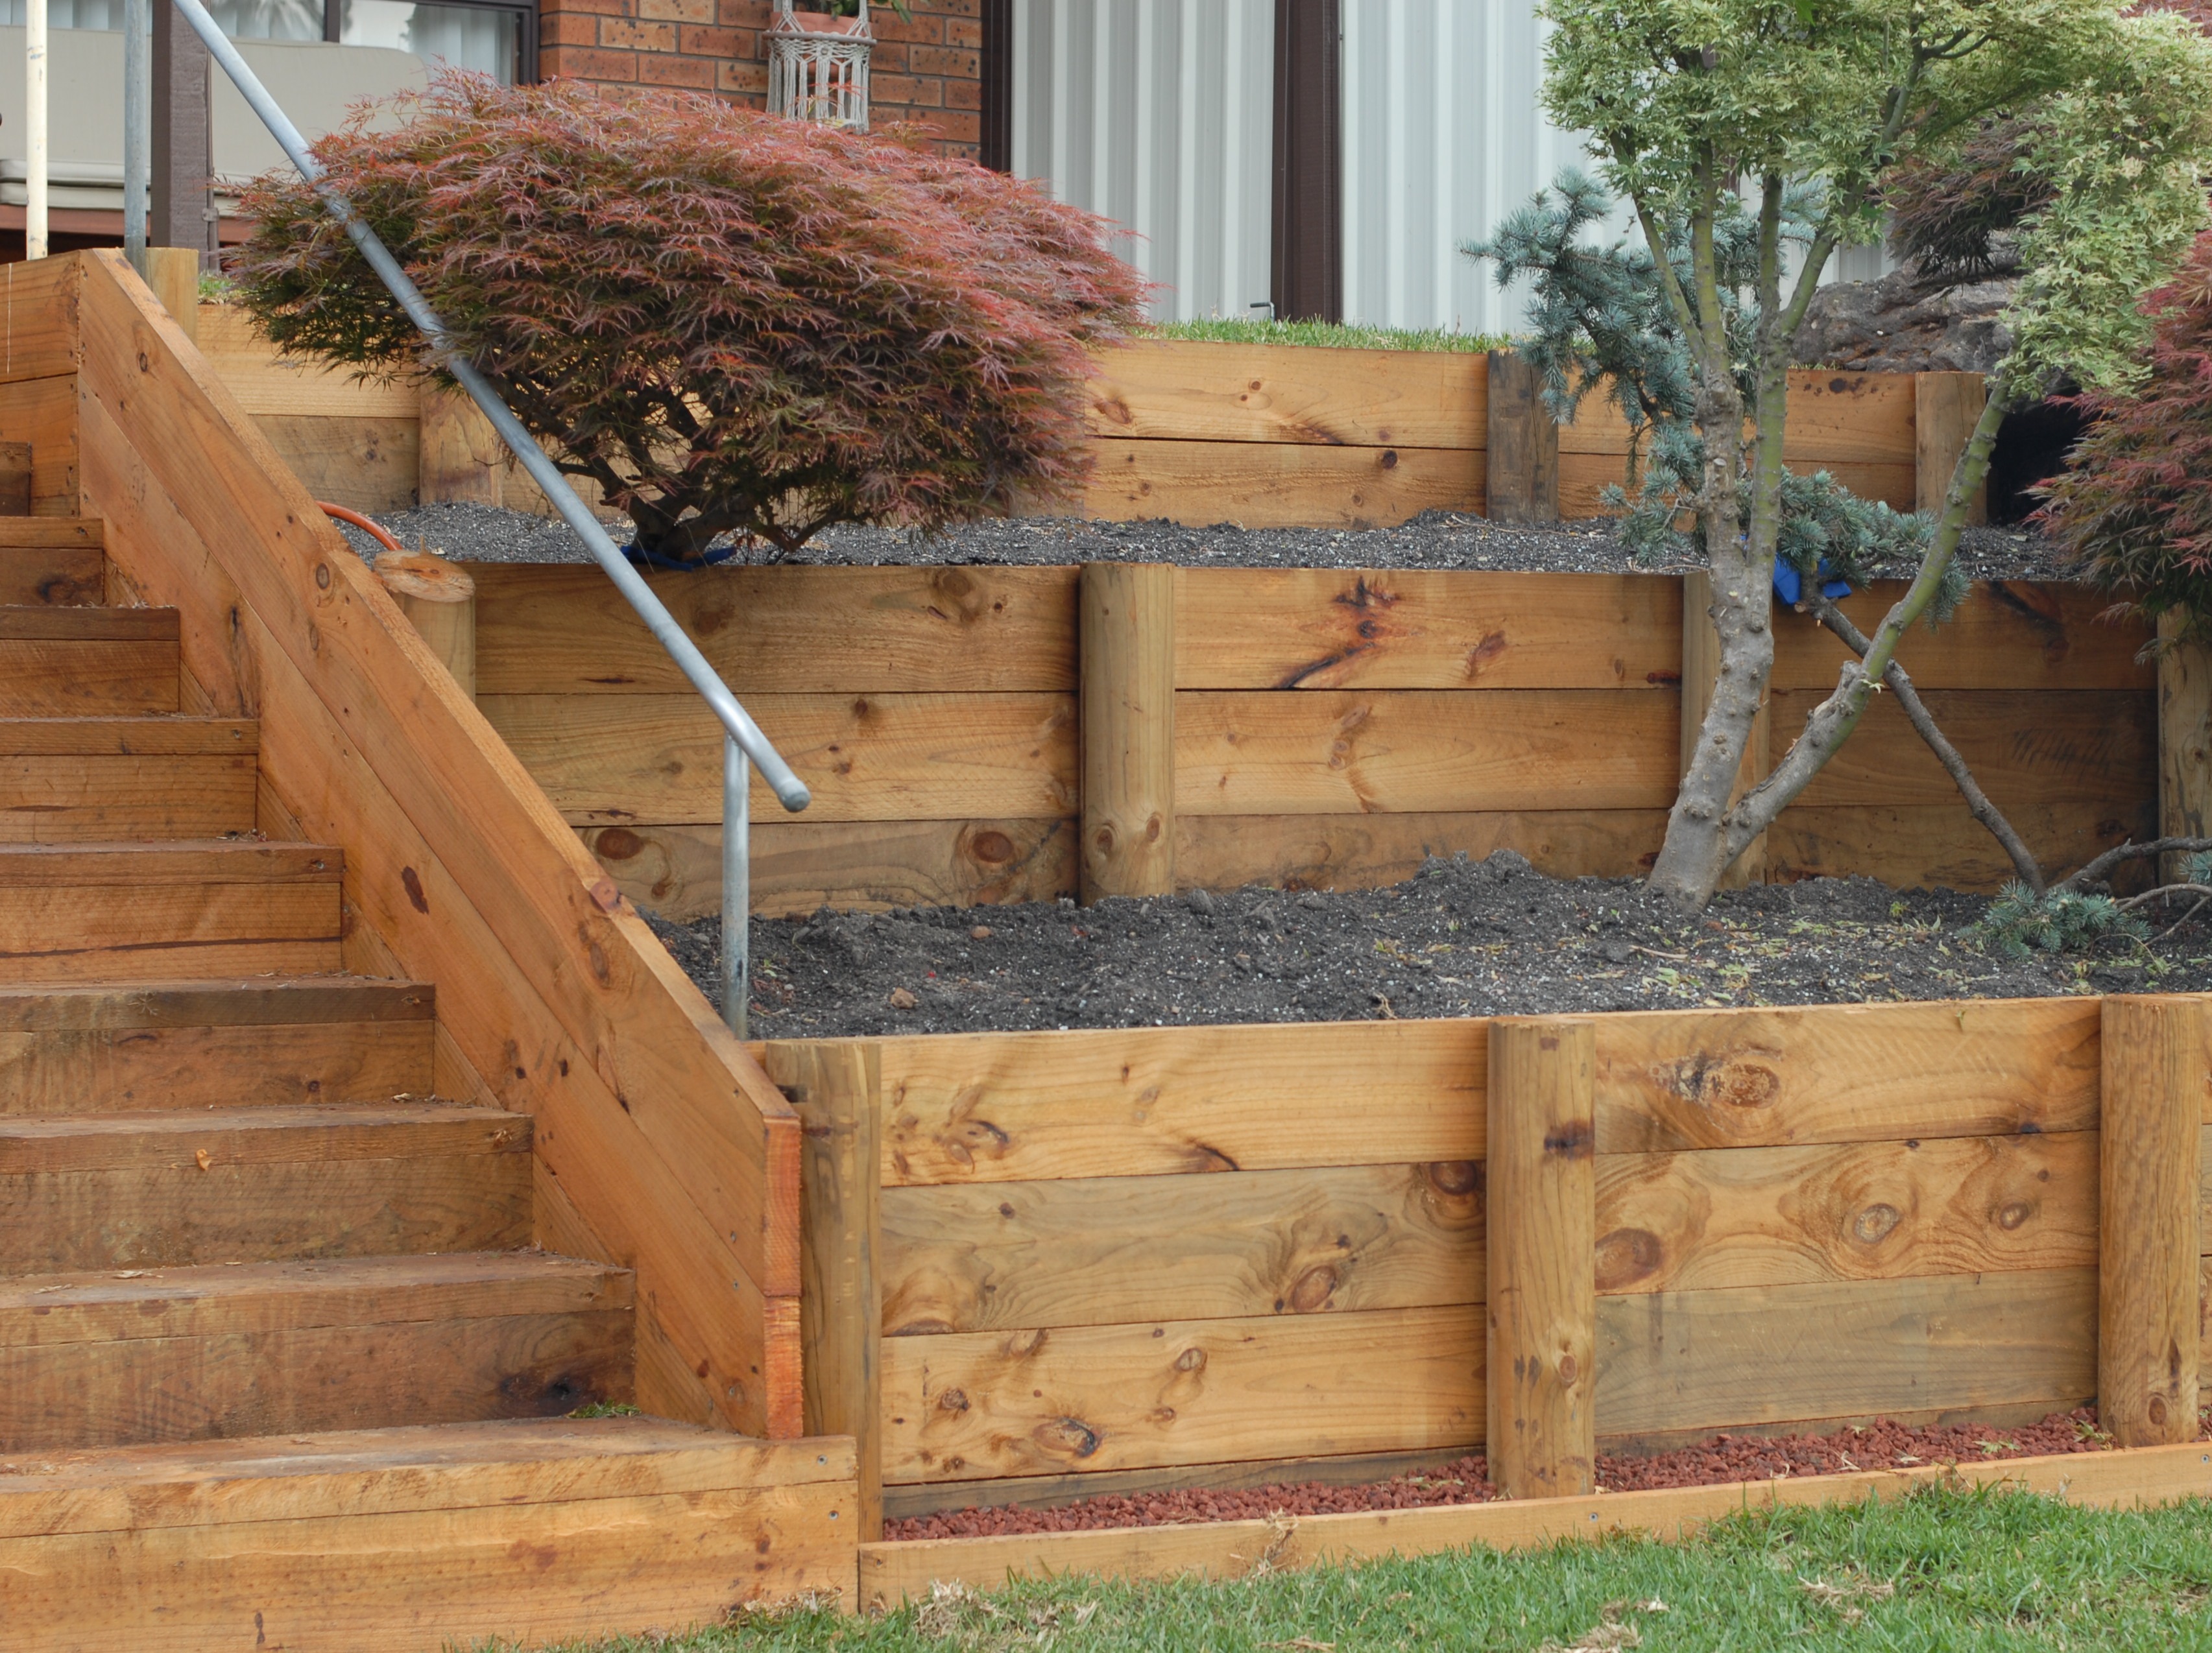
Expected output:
(1789, 585)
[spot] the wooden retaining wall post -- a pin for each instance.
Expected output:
(1522, 466)
(1125, 644)
(2184, 739)
(837, 1086)
(440, 601)
(1701, 670)
(1542, 1289)
(1946, 407)
(2148, 1246)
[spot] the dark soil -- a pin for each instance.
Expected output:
(1724, 1458)
(1462, 938)
(1436, 539)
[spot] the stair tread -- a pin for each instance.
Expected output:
(321, 1132)
(154, 734)
(208, 860)
(47, 1311)
(405, 1468)
(49, 623)
(260, 1001)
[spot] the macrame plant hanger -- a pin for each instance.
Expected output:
(818, 70)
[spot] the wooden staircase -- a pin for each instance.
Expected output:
(279, 1364)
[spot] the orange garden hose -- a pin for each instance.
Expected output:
(362, 524)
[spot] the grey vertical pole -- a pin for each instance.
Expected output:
(736, 884)
(138, 126)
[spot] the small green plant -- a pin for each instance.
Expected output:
(2021, 924)
(606, 1409)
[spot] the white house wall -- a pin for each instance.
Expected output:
(1158, 114)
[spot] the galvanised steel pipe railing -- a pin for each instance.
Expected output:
(742, 738)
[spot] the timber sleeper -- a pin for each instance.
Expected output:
(58, 661)
(98, 1047)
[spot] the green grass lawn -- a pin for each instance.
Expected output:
(1329, 336)
(1945, 1570)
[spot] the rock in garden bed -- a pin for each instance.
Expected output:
(1436, 539)
(1716, 1461)
(1462, 938)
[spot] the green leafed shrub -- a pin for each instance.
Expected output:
(730, 321)
(2020, 922)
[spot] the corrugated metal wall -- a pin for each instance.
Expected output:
(1101, 89)
(1443, 137)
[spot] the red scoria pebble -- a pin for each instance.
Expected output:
(1881, 1446)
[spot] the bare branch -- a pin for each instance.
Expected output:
(1923, 722)
(2097, 870)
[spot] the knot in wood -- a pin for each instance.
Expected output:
(1876, 1223)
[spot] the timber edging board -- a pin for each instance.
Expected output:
(894, 1572)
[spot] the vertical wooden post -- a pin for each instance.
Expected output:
(1127, 645)
(174, 273)
(440, 601)
(459, 455)
(1701, 670)
(2184, 739)
(15, 478)
(836, 1086)
(1542, 1206)
(2153, 1118)
(1522, 469)
(1946, 407)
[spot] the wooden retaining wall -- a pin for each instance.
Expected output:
(1329, 728)
(1260, 435)
(1109, 1261)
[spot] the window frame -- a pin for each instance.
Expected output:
(525, 13)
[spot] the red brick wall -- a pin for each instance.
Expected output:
(928, 70)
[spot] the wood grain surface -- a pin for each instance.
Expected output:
(1845, 1074)
(1805, 1353)
(979, 1405)
(1021, 1107)
(1356, 752)
(612, 760)
(548, 629)
(867, 866)
(1096, 1251)
(1316, 628)
(1787, 1216)
(1184, 389)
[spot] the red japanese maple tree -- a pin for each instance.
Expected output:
(731, 322)
(2134, 503)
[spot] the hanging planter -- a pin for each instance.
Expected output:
(817, 66)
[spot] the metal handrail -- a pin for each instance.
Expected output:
(742, 738)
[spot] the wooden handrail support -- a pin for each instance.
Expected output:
(661, 1145)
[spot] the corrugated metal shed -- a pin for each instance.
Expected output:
(1160, 115)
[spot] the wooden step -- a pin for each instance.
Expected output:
(64, 662)
(77, 780)
(260, 1184)
(260, 1349)
(105, 1048)
(411, 1540)
(52, 561)
(119, 913)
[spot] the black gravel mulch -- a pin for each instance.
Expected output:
(1462, 938)
(1436, 539)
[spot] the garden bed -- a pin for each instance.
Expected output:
(1436, 539)
(1462, 938)
(1718, 1462)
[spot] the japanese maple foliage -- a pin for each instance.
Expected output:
(2134, 503)
(728, 320)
